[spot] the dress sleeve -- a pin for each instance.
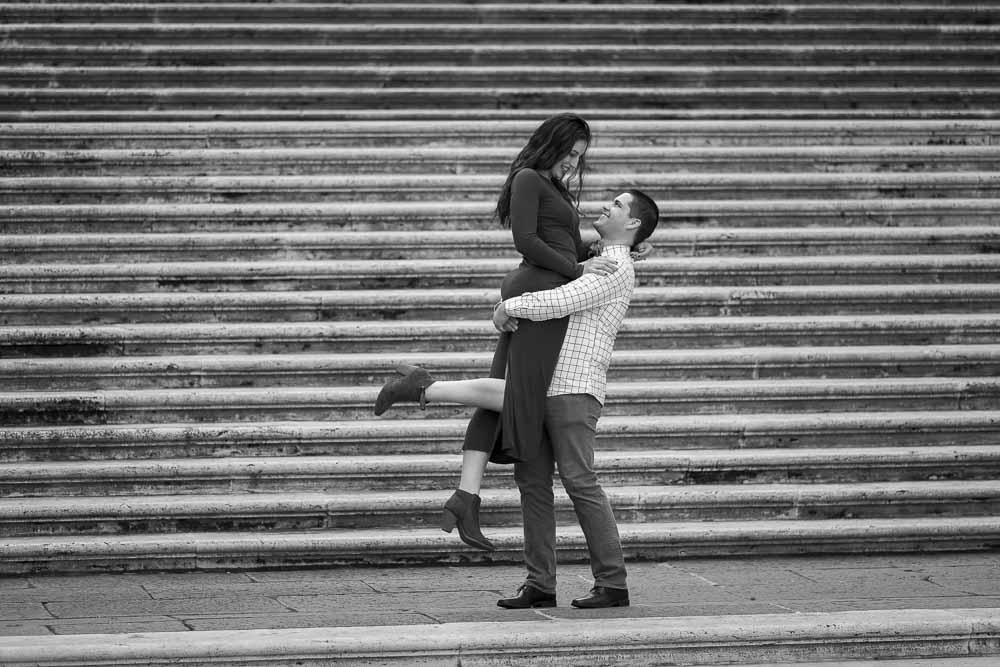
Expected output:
(582, 249)
(525, 195)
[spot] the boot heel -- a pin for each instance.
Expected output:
(448, 521)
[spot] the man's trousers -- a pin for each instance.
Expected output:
(571, 425)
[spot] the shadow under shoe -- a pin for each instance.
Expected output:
(409, 387)
(462, 511)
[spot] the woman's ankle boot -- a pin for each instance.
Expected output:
(409, 387)
(462, 511)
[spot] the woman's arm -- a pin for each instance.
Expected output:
(525, 194)
(584, 251)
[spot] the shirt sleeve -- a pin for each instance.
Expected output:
(586, 292)
(525, 194)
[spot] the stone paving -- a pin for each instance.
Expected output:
(368, 596)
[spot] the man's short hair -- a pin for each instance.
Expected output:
(644, 208)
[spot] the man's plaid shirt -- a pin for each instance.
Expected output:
(596, 306)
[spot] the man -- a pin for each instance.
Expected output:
(596, 306)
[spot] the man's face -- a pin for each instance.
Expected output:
(615, 216)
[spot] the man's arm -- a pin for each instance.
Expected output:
(586, 292)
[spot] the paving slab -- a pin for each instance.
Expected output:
(23, 611)
(901, 603)
(24, 629)
(147, 579)
(972, 579)
(81, 592)
(98, 608)
(117, 626)
(186, 590)
(835, 584)
(8, 584)
(471, 600)
(306, 620)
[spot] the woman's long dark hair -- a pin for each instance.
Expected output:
(552, 140)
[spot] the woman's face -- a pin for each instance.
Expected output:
(568, 163)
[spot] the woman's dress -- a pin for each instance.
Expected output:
(546, 229)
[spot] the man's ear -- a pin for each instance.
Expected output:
(634, 223)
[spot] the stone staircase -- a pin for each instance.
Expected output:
(224, 224)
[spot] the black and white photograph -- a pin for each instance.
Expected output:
(499, 333)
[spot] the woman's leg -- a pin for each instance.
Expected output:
(484, 393)
(473, 469)
(462, 509)
(416, 384)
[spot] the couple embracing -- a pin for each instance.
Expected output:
(559, 315)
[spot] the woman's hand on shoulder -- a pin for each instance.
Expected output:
(601, 266)
(642, 251)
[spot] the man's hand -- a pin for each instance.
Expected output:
(502, 321)
(601, 266)
(642, 251)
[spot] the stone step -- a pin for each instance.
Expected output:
(56, 248)
(421, 336)
(332, 369)
(413, 274)
(242, 550)
(496, 242)
(740, 431)
(301, 511)
(399, 188)
(959, 637)
(477, 304)
(426, 216)
(848, 30)
(499, 111)
(328, 101)
(253, 475)
(325, 76)
(430, 437)
(461, 131)
(491, 160)
(493, 54)
(502, 12)
(714, 399)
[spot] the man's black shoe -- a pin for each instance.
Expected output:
(601, 597)
(527, 598)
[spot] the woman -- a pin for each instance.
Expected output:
(542, 213)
